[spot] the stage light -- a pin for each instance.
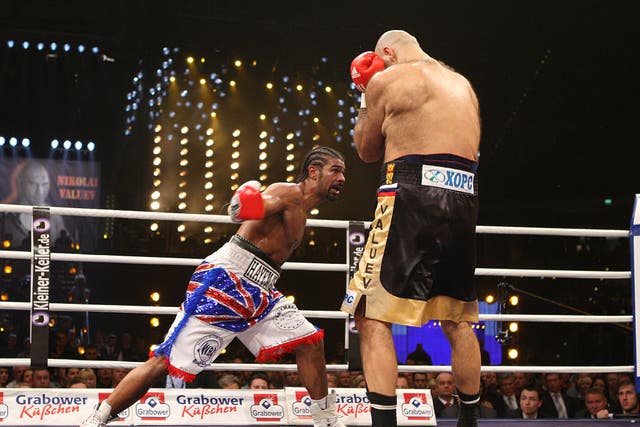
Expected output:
(314, 211)
(263, 134)
(91, 146)
(512, 353)
(155, 195)
(156, 172)
(235, 144)
(290, 157)
(235, 155)
(208, 197)
(40, 46)
(184, 151)
(514, 300)
(8, 269)
(262, 156)
(184, 162)
(182, 206)
(182, 183)
(184, 129)
(234, 165)
(95, 49)
(213, 114)
(203, 60)
(66, 144)
(269, 86)
(234, 187)
(4, 296)
(208, 175)
(25, 45)
(154, 322)
(10, 44)
(78, 145)
(208, 164)
(26, 142)
(208, 208)
(290, 178)
(236, 133)
(290, 147)
(232, 83)
(208, 229)
(513, 327)
(81, 48)
(6, 244)
(316, 137)
(209, 131)
(490, 299)
(2, 141)
(237, 63)
(299, 88)
(263, 117)
(181, 228)
(157, 150)
(53, 46)
(156, 183)
(263, 177)
(290, 167)
(208, 185)
(182, 195)
(190, 60)
(155, 205)
(172, 79)
(184, 141)
(13, 141)
(157, 161)
(263, 166)
(66, 47)
(203, 81)
(327, 89)
(154, 296)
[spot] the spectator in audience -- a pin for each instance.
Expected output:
(445, 399)
(598, 382)
(4, 377)
(104, 377)
(359, 381)
(110, 350)
(41, 378)
(612, 380)
(72, 373)
(555, 402)
(519, 381)
(628, 398)
(344, 379)
(419, 380)
(530, 402)
(596, 405)
(506, 400)
(91, 352)
(229, 381)
(76, 383)
(117, 376)
(17, 372)
(258, 381)
(402, 381)
(27, 376)
(332, 380)
(88, 376)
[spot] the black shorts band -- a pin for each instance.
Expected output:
(245, 244)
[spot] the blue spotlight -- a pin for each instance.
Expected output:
(95, 49)
(10, 44)
(40, 46)
(81, 48)
(66, 144)
(26, 142)
(13, 142)
(53, 46)
(2, 141)
(66, 47)
(78, 145)
(25, 44)
(91, 146)
(54, 144)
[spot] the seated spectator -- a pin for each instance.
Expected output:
(258, 381)
(17, 372)
(104, 377)
(4, 377)
(332, 380)
(419, 380)
(359, 381)
(628, 398)
(117, 376)
(555, 402)
(506, 401)
(445, 388)
(91, 352)
(402, 381)
(88, 376)
(41, 378)
(530, 402)
(596, 405)
(76, 383)
(229, 381)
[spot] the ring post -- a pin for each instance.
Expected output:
(634, 241)
(40, 285)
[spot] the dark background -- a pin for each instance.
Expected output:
(557, 84)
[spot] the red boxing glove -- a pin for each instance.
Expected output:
(363, 67)
(246, 203)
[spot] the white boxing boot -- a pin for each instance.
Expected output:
(327, 417)
(100, 417)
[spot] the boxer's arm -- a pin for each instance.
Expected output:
(279, 197)
(367, 133)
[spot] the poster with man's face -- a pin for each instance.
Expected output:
(47, 182)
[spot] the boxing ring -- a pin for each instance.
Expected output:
(248, 407)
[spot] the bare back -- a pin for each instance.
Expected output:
(423, 107)
(281, 231)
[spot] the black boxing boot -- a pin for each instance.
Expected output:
(469, 405)
(383, 410)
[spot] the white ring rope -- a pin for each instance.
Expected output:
(167, 216)
(145, 215)
(316, 314)
(314, 266)
(72, 363)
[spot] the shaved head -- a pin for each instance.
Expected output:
(395, 39)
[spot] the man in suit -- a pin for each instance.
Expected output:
(596, 405)
(555, 402)
(445, 404)
(530, 402)
(506, 400)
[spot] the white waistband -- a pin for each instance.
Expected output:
(450, 179)
(244, 264)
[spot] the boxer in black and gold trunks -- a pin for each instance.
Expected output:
(422, 119)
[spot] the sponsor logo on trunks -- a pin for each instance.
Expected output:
(288, 317)
(451, 179)
(416, 406)
(152, 407)
(261, 273)
(266, 407)
(389, 174)
(349, 299)
(206, 349)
